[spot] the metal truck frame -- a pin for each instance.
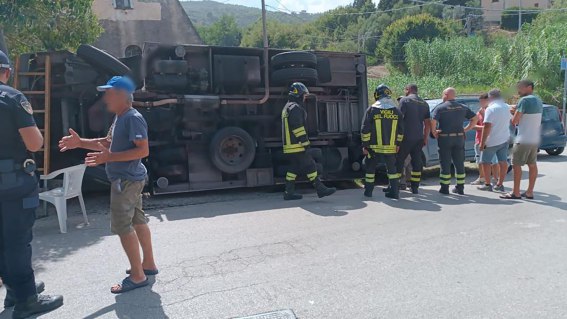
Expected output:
(213, 112)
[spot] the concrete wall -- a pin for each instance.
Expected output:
(493, 8)
(162, 21)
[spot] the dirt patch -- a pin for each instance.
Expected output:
(377, 72)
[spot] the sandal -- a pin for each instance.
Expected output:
(510, 196)
(526, 196)
(128, 285)
(147, 272)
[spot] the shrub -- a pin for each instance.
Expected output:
(510, 17)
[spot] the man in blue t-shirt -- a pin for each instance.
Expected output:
(527, 118)
(122, 150)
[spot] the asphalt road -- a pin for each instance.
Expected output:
(425, 256)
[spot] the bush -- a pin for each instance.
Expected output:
(510, 17)
(421, 27)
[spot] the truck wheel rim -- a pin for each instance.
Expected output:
(232, 150)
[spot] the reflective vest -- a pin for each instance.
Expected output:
(382, 128)
(294, 135)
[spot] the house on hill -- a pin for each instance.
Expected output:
(129, 23)
(493, 8)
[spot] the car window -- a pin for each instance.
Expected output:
(473, 105)
(433, 104)
(550, 114)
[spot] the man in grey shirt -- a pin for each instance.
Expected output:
(122, 151)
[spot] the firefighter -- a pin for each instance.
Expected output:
(18, 200)
(416, 125)
(447, 127)
(296, 145)
(382, 132)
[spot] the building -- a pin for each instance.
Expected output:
(129, 23)
(493, 8)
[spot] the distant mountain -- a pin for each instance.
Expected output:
(207, 12)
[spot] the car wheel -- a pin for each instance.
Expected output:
(102, 60)
(295, 59)
(232, 150)
(287, 76)
(555, 151)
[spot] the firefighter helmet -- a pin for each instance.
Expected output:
(298, 90)
(382, 91)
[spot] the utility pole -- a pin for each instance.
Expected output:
(520, 15)
(564, 68)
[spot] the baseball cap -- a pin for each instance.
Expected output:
(123, 83)
(4, 61)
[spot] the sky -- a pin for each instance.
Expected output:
(311, 6)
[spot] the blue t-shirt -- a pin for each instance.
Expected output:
(127, 128)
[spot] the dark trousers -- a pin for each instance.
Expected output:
(17, 216)
(412, 148)
(371, 162)
(452, 151)
(301, 164)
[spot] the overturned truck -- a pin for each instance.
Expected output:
(213, 112)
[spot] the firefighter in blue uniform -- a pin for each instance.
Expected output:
(447, 127)
(296, 143)
(382, 133)
(18, 201)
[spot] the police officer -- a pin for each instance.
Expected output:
(296, 144)
(416, 133)
(447, 127)
(381, 133)
(18, 201)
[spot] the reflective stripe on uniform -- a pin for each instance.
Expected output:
(298, 132)
(294, 148)
(378, 124)
(415, 176)
(461, 178)
(306, 143)
(393, 132)
(445, 179)
(370, 177)
(400, 138)
(394, 176)
(383, 149)
(312, 176)
(366, 137)
(290, 176)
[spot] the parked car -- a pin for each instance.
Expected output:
(553, 137)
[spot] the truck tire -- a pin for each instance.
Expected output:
(294, 59)
(555, 151)
(287, 76)
(232, 150)
(102, 60)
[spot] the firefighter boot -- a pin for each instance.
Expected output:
(323, 190)
(459, 189)
(368, 189)
(415, 187)
(444, 189)
(290, 193)
(394, 189)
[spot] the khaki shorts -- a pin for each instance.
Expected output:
(523, 154)
(126, 206)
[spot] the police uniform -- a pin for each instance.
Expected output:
(415, 111)
(381, 133)
(450, 116)
(18, 195)
(295, 144)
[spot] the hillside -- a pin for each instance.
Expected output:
(207, 12)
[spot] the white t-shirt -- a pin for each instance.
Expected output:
(529, 128)
(498, 115)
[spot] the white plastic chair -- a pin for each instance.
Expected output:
(72, 183)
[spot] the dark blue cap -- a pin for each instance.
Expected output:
(4, 61)
(123, 83)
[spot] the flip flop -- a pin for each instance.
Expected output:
(128, 285)
(526, 196)
(147, 272)
(510, 196)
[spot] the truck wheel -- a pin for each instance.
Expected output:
(295, 59)
(232, 150)
(555, 151)
(102, 60)
(287, 76)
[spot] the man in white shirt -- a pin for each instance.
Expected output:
(495, 139)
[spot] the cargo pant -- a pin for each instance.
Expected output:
(452, 151)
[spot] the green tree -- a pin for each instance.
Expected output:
(420, 27)
(36, 25)
(224, 32)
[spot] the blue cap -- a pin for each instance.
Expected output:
(120, 83)
(4, 61)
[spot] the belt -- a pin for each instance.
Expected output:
(451, 134)
(9, 166)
